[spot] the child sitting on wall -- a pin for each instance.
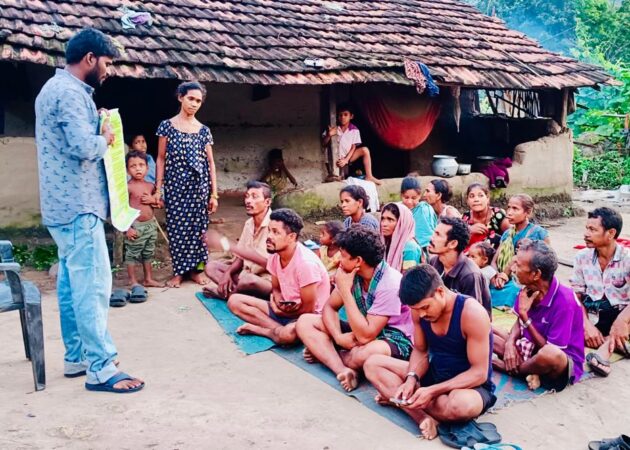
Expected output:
(349, 141)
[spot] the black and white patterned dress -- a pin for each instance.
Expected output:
(186, 195)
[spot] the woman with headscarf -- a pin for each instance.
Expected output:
(402, 251)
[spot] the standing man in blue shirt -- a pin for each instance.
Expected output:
(74, 204)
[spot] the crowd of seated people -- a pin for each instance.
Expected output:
(405, 299)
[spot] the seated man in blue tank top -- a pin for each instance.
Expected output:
(449, 375)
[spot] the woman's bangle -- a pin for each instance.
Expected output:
(215, 196)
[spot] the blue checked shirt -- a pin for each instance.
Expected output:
(69, 151)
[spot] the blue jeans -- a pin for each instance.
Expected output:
(84, 284)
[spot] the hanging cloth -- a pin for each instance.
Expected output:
(419, 73)
(400, 120)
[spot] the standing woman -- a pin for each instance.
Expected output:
(186, 172)
(398, 231)
(485, 222)
(437, 194)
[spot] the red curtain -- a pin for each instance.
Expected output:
(401, 122)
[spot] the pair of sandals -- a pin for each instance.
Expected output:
(120, 297)
(470, 434)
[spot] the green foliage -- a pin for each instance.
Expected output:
(587, 29)
(596, 32)
(605, 110)
(41, 257)
(602, 31)
(551, 22)
(605, 171)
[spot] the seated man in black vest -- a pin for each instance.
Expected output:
(449, 375)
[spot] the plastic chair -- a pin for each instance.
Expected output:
(24, 296)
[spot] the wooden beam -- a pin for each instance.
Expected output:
(492, 105)
(564, 108)
(503, 99)
(332, 121)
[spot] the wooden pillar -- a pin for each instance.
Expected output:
(332, 121)
(564, 108)
(117, 250)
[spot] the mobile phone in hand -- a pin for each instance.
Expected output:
(398, 401)
(288, 303)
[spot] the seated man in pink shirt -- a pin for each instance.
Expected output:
(300, 283)
(378, 324)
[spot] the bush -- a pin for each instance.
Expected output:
(41, 257)
(606, 171)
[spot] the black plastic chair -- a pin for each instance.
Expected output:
(24, 297)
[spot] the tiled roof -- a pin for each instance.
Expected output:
(268, 41)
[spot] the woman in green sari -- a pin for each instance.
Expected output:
(520, 207)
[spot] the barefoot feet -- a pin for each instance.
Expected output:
(150, 282)
(374, 180)
(348, 379)
(175, 282)
(378, 398)
(428, 428)
(211, 290)
(533, 382)
(308, 356)
(245, 329)
(200, 278)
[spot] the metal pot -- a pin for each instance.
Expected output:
(463, 169)
(444, 166)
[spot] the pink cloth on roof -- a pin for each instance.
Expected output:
(404, 232)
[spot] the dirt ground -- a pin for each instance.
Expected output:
(202, 393)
